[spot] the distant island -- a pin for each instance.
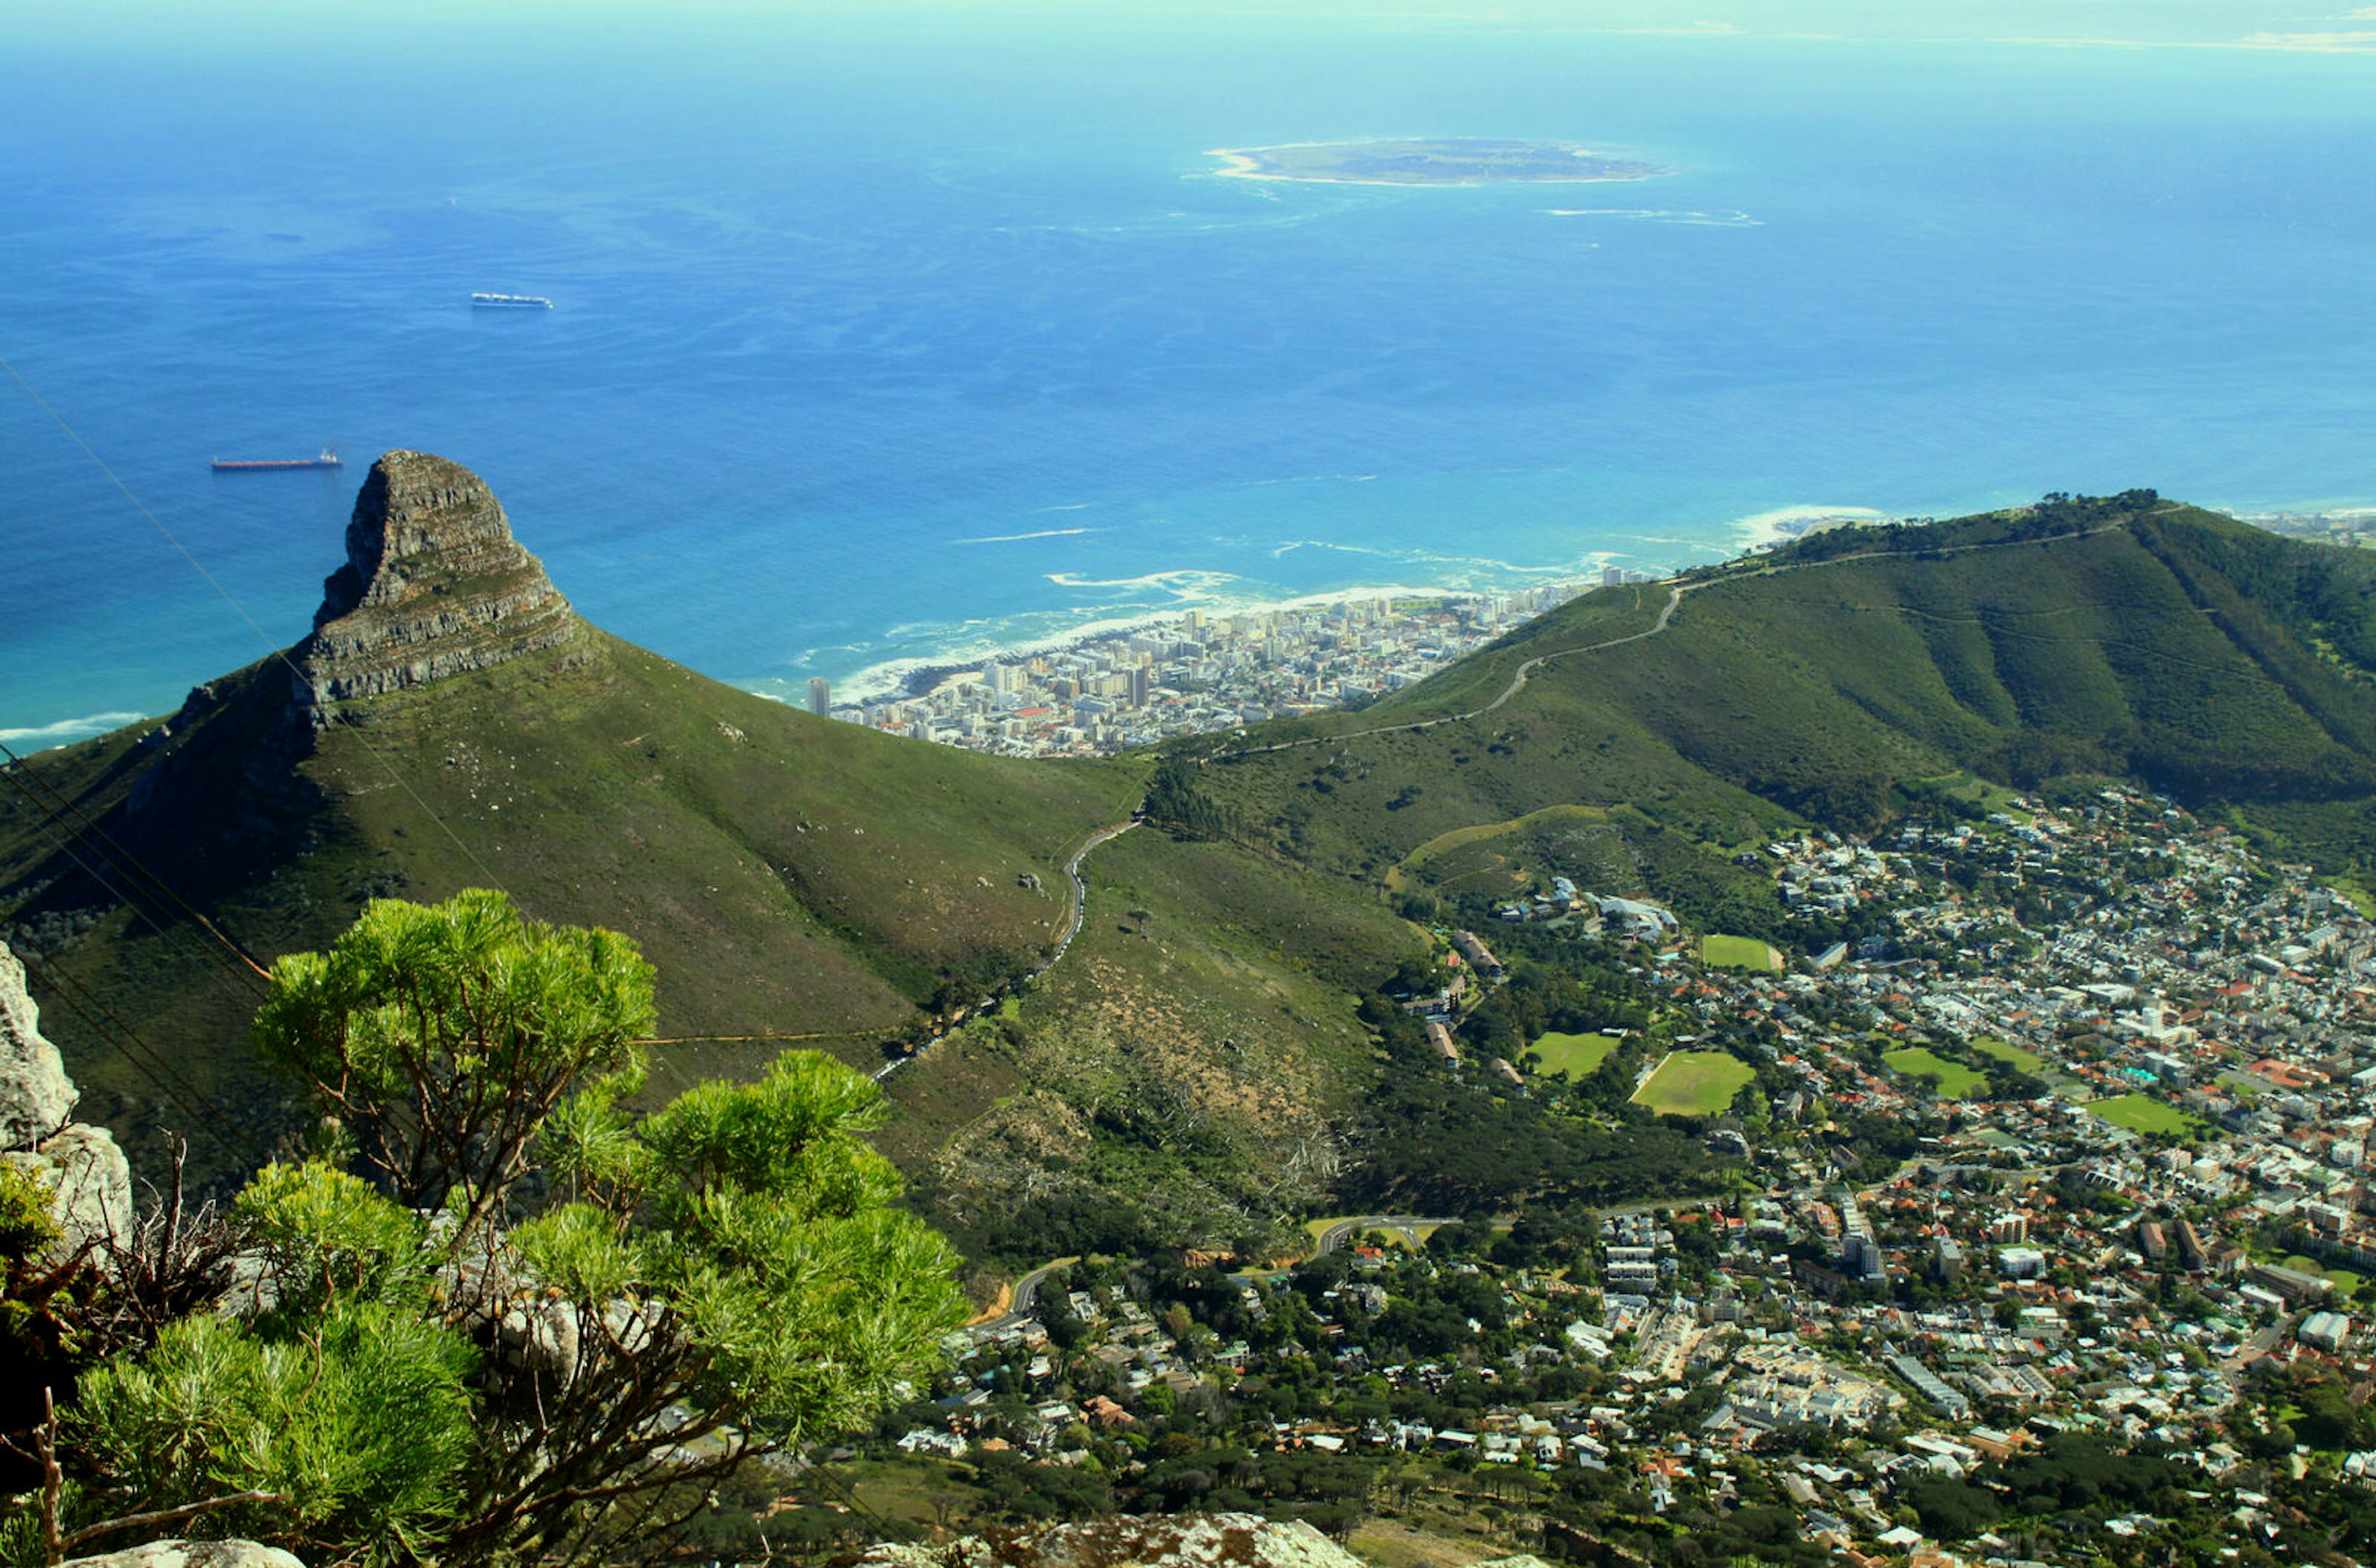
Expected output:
(1428, 162)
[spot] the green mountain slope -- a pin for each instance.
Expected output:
(1188, 1073)
(450, 722)
(788, 875)
(1195, 1066)
(1824, 682)
(795, 881)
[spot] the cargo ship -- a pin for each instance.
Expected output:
(511, 301)
(325, 460)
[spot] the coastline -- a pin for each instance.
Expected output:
(911, 675)
(1764, 530)
(66, 732)
(2353, 513)
(917, 675)
(914, 676)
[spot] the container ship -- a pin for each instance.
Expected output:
(324, 459)
(511, 301)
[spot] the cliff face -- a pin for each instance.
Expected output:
(435, 584)
(36, 1098)
(89, 1183)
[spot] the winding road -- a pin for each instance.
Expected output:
(1020, 1304)
(1404, 1225)
(1080, 891)
(1675, 592)
(1073, 920)
(1026, 1294)
(1675, 589)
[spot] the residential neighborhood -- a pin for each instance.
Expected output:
(1197, 672)
(2055, 1174)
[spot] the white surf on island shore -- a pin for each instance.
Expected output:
(1729, 218)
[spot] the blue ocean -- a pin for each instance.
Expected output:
(899, 336)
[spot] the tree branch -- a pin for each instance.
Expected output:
(163, 1516)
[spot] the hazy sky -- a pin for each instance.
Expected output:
(232, 25)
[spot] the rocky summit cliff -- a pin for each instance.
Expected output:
(434, 585)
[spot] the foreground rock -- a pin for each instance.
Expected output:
(79, 1163)
(435, 584)
(1203, 1540)
(36, 1097)
(191, 1554)
(1186, 1541)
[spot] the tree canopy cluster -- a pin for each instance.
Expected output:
(1438, 1144)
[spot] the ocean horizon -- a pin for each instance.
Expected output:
(878, 345)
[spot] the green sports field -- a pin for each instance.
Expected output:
(1694, 1082)
(2012, 1056)
(1740, 952)
(2345, 1280)
(1952, 1080)
(1576, 1056)
(2142, 1113)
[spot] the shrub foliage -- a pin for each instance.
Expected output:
(509, 1319)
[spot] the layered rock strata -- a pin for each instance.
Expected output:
(435, 586)
(79, 1163)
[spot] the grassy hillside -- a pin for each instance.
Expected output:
(1825, 684)
(1197, 1052)
(790, 877)
(795, 881)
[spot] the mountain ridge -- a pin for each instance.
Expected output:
(1205, 1051)
(445, 692)
(2059, 640)
(433, 585)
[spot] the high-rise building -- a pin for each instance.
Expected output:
(1138, 686)
(820, 696)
